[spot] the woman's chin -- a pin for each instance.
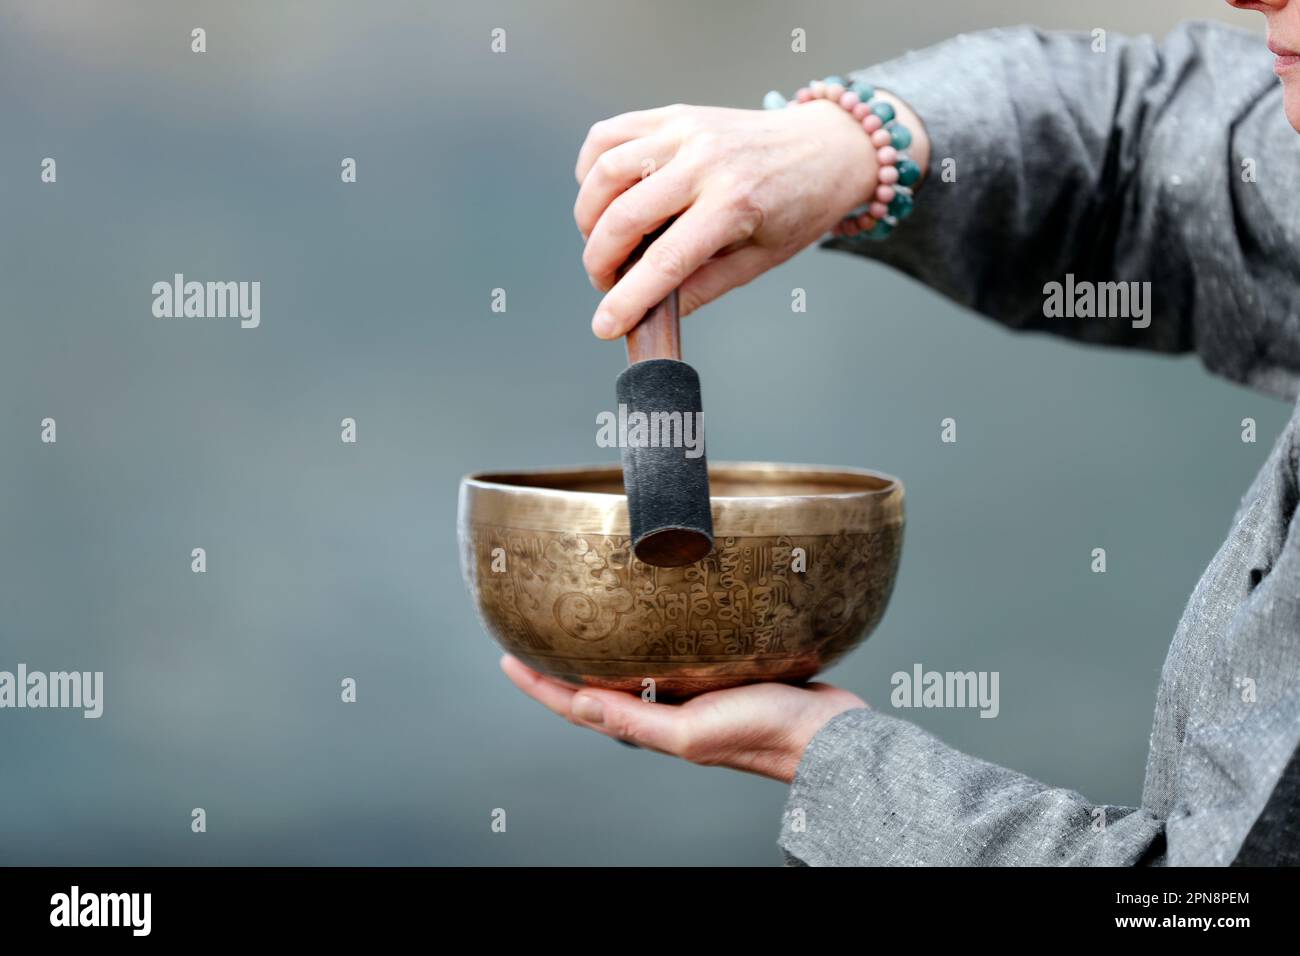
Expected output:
(1291, 101)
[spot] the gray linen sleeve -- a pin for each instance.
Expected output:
(1170, 164)
(1164, 163)
(873, 790)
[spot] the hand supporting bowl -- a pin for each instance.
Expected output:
(804, 563)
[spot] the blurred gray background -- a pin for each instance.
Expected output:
(328, 560)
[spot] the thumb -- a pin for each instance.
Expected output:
(721, 275)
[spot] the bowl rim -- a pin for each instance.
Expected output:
(486, 499)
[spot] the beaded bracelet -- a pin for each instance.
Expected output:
(897, 172)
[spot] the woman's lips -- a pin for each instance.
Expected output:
(1287, 59)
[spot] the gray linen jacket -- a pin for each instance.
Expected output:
(1126, 165)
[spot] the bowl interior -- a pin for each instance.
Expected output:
(740, 480)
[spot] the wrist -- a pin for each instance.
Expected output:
(856, 168)
(833, 702)
(896, 172)
(920, 148)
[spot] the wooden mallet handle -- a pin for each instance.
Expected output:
(659, 333)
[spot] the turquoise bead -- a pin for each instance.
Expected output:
(773, 101)
(908, 172)
(900, 135)
(900, 207)
(879, 231)
(884, 111)
(865, 91)
(837, 80)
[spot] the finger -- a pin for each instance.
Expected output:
(547, 691)
(616, 170)
(689, 242)
(615, 131)
(587, 707)
(654, 726)
(633, 215)
(723, 274)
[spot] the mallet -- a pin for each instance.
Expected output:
(667, 489)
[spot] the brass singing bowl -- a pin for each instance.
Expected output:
(803, 565)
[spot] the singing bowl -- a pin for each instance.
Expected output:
(803, 565)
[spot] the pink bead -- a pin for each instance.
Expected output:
(818, 88)
(866, 223)
(885, 194)
(888, 175)
(860, 112)
(834, 91)
(872, 122)
(887, 155)
(848, 100)
(878, 210)
(881, 138)
(803, 95)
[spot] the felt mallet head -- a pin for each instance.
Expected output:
(665, 470)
